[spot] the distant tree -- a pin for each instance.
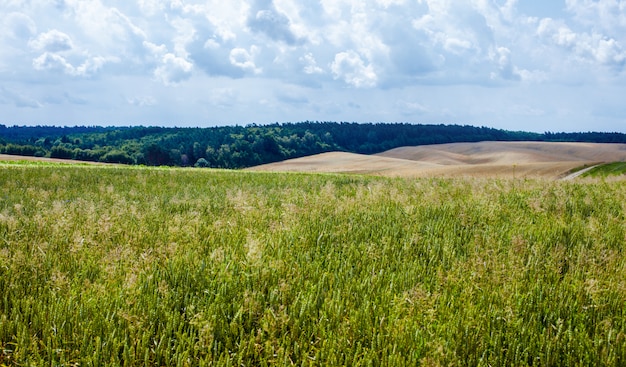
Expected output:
(201, 163)
(27, 150)
(117, 156)
(61, 152)
(154, 155)
(88, 154)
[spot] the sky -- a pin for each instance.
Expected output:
(531, 65)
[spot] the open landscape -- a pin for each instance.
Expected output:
(312, 183)
(125, 265)
(484, 159)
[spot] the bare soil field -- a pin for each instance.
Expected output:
(484, 159)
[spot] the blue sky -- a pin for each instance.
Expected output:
(530, 65)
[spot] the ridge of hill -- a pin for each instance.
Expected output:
(509, 152)
(252, 145)
(482, 159)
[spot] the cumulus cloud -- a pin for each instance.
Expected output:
(609, 15)
(51, 41)
(155, 50)
(273, 24)
(173, 70)
(591, 47)
(207, 41)
(374, 47)
(51, 61)
(244, 59)
(310, 65)
(349, 67)
(502, 58)
(609, 52)
(57, 63)
(453, 32)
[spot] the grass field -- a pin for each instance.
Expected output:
(105, 265)
(609, 169)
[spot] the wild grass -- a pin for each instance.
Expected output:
(173, 267)
(608, 169)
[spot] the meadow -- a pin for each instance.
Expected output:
(135, 266)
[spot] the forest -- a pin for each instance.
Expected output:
(246, 146)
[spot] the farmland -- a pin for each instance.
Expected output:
(111, 265)
(487, 159)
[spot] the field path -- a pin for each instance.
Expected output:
(572, 176)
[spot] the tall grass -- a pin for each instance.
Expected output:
(127, 266)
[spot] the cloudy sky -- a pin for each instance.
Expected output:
(535, 65)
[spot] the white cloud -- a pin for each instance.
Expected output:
(557, 31)
(506, 70)
(155, 50)
(350, 67)
(609, 52)
(51, 41)
(57, 63)
(150, 7)
(173, 70)
(185, 34)
(273, 24)
(387, 3)
(605, 14)
(244, 59)
(310, 65)
(392, 54)
(52, 62)
(592, 48)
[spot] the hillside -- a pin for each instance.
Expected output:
(484, 159)
(252, 145)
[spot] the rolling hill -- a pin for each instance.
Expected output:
(483, 159)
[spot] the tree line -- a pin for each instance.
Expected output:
(246, 146)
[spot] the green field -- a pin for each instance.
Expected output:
(608, 169)
(183, 267)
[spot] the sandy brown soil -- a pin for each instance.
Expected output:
(484, 159)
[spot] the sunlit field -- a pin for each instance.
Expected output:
(608, 170)
(106, 265)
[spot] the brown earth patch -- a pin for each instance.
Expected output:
(484, 159)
